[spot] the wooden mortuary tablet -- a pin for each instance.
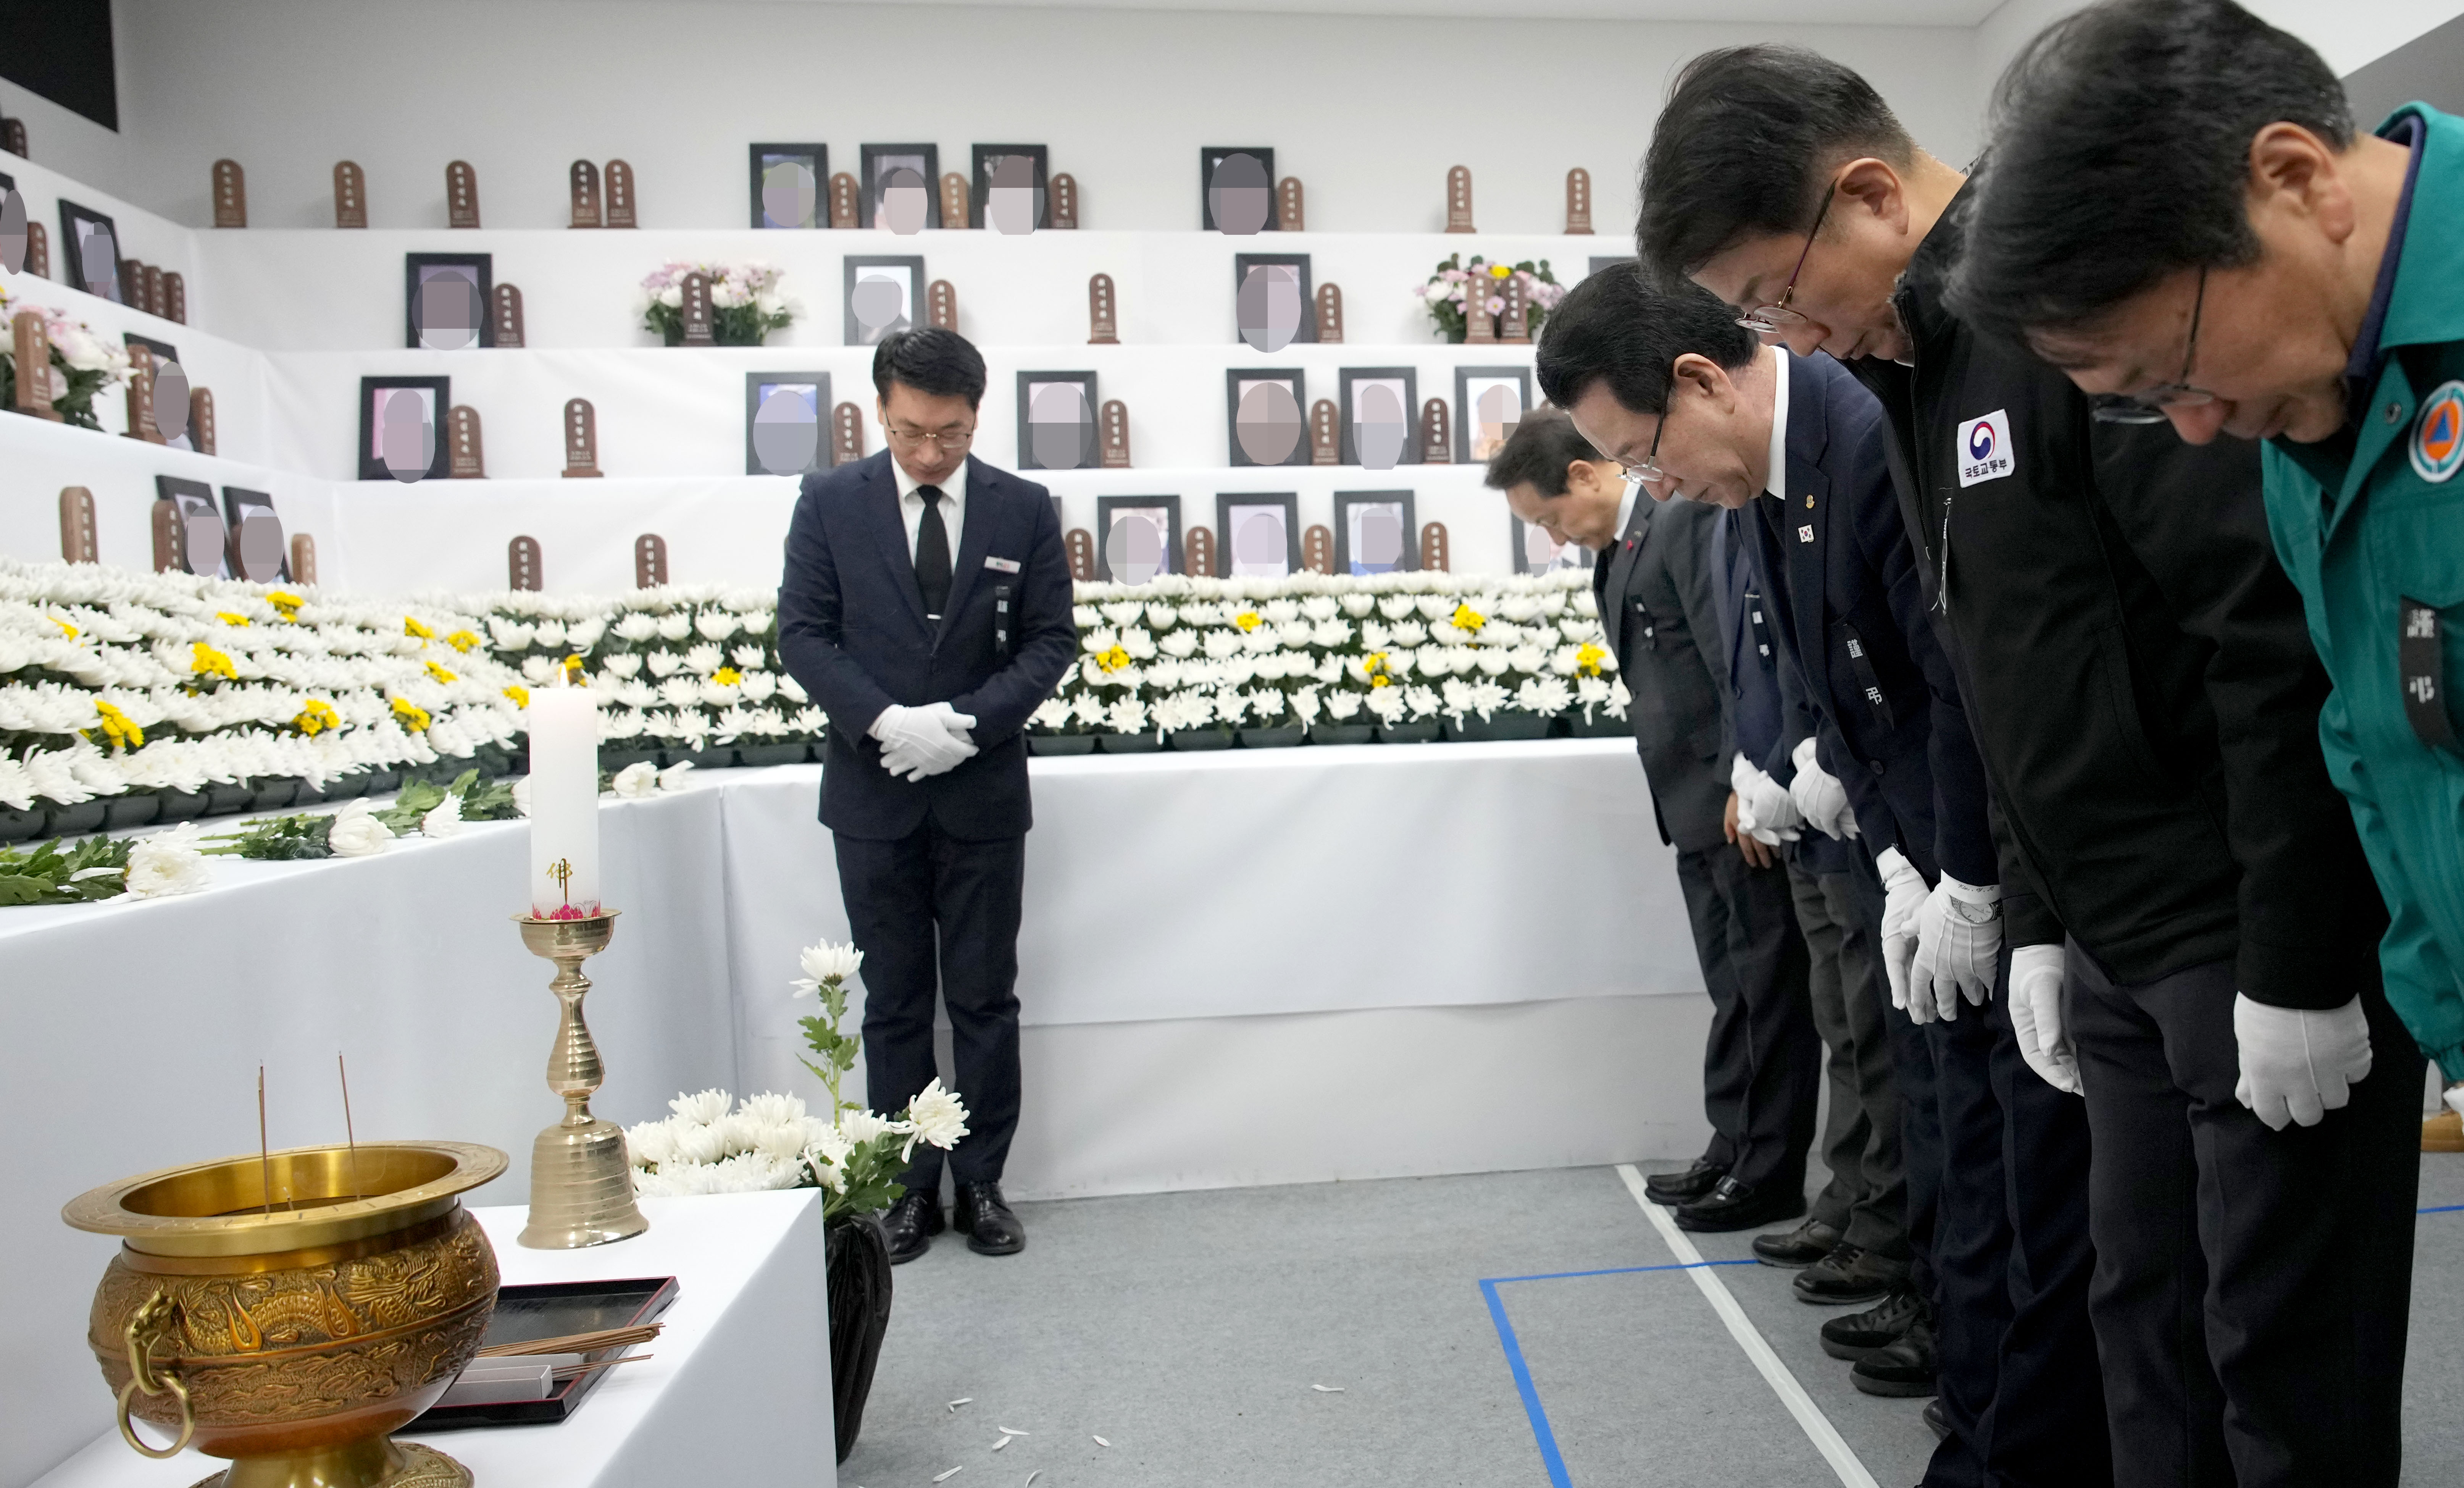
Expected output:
(1200, 542)
(1081, 544)
(1325, 434)
(304, 558)
(1437, 434)
(1515, 324)
(618, 193)
(166, 536)
(1458, 200)
(1317, 550)
(231, 195)
(700, 328)
(461, 195)
(1579, 202)
(141, 396)
(843, 200)
(39, 250)
(1102, 315)
(466, 454)
(350, 195)
(1063, 195)
(846, 435)
(1290, 215)
(650, 561)
(201, 420)
(581, 440)
(76, 527)
(582, 185)
(941, 304)
(32, 345)
(1433, 548)
(954, 200)
(1330, 315)
(175, 299)
(506, 305)
(1114, 431)
(522, 564)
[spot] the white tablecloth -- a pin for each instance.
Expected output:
(1458, 944)
(736, 1389)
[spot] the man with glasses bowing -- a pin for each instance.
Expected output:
(926, 606)
(2182, 886)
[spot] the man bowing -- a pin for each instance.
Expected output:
(926, 606)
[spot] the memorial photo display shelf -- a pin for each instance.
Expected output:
(979, 187)
(1257, 534)
(772, 443)
(793, 179)
(1049, 432)
(866, 324)
(1361, 532)
(1259, 310)
(556, 1309)
(1489, 401)
(429, 318)
(1357, 384)
(1149, 534)
(879, 161)
(436, 396)
(81, 227)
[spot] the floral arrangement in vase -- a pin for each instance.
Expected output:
(745, 304)
(1455, 284)
(83, 365)
(773, 1140)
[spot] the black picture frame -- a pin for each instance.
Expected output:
(980, 181)
(1028, 458)
(856, 332)
(1346, 502)
(1243, 263)
(164, 351)
(240, 510)
(1228, 502)
(757, 387)
(71, 253)
(816, 158)
(481, 267)
(1211, 155)
(1349, 381)
(1519, 533)
(878, 160)
(1106, 507)
(371, 464)
(195, 515)
(1233, 378)
(1465, 377)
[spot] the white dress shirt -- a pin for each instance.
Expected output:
(1625, 513)
(1775, 480)
(954, 508)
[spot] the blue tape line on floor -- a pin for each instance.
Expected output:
(2443, 1208)
(1619, 1271)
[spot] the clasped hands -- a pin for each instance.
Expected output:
(918, 743)
(1939, 945)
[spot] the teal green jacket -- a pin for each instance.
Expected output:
(2361, 536)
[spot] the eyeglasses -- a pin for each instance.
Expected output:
(1772, 318)
(1648, 468)
(948, 442)
(2148, 408)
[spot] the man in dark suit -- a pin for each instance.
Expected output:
(927, 608)
(1997, 1167)
(1762, 1065)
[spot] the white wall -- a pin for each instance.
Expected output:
(1368, 112)
(2346, 34)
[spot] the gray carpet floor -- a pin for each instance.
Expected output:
(1191, 1332)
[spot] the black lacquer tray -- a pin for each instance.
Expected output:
(553, 1309)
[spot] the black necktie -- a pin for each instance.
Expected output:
(932, 554)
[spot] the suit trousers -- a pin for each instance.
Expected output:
(1867, 1197)
(2252, 1286)
(897, 893)
(1762, 1065)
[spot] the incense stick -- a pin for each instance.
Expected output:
(264, 1157)
(575, 1343)
(349, 1133)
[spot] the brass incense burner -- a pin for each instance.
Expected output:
(290, 1310)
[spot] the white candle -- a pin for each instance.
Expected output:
(565, 801)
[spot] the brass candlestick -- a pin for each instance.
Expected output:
(582, 1181)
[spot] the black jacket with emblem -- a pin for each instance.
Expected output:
(2137, 676)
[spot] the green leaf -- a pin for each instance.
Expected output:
(19, 889)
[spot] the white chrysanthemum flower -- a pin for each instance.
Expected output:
(444, 819)
(650, 1144)
(672, 779)
(356, 832)
(168, 863)
(936, 1117)
(860, 1126)
(705, 659)
(638, 780)
(715, 624)
(675, 625)
(702, 1108)
(827, 962)
(637, 627)
(696, 1142)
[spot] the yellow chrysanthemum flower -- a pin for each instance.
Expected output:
(285, 604)
(438, 672)
(462, 641)
(227, 617)
(118, 727)
(1467, 618)
(415, 717)
(317, 717)
(1247, 619)
(573, 664)
(1587, 660)
(1112, 660)
(410, 626)
(520, 695)
(727, 676)
(70, 631)
(204, 660)
(1499, 270)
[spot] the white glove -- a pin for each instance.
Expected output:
(1818, 796)
(956, 722)
(2036, 977)
(2455, 1098)
(1763, 805)
(1904, 896)
(1959, 941)
(2297, 1065)
(915, 742)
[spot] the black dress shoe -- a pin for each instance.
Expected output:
(1674, 1188)
(1802, 1246)
(1905, 1369)
(1739, 1206)
(1861, 1335)
(1935, 1421)
(1850, 1274)
(910, 1225)
(984, 1218)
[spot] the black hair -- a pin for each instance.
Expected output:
(1746, 144)
(1543, 444)
(1623, 328)
(2120, 153)
(932, 360)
